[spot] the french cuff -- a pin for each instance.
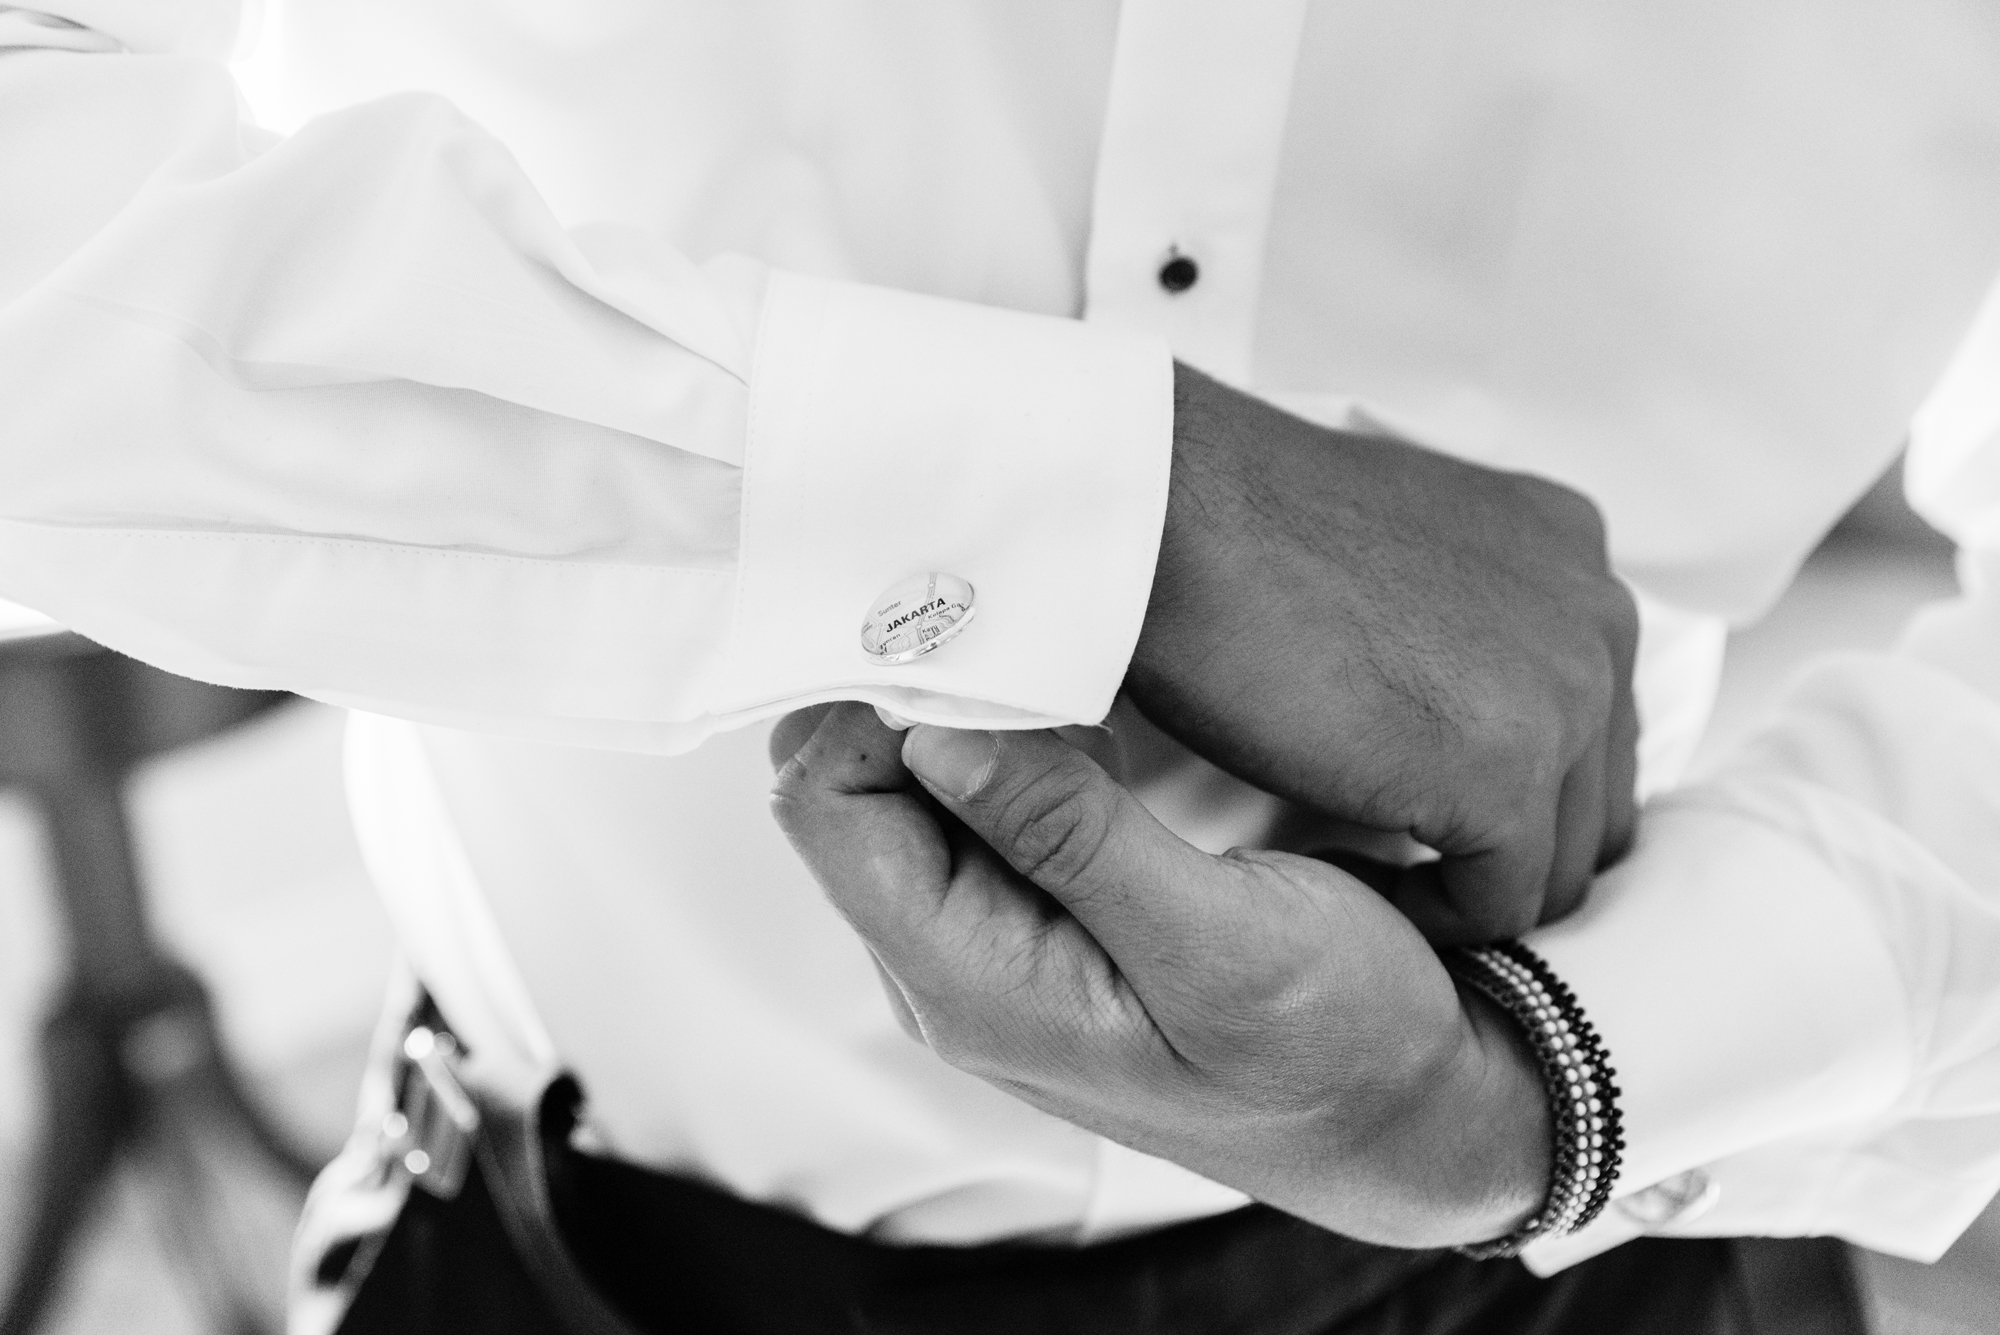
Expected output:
(892, 435)
(1744, 993)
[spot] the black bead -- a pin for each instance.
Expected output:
(1179, 273)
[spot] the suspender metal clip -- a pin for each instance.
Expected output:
(430, 1135)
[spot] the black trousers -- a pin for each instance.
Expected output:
(676, 1256)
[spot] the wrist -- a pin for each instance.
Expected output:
(1457, 1153)
(1586, 1135)
(1208, 552)
(1474, 1145)
(1192, 498)
(1505, 1168)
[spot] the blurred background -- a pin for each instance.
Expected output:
(252, 878)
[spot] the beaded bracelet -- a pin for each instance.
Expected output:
(1584, 1134)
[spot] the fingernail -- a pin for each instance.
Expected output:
(955, 762)
(889, 720)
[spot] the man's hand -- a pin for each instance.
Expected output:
(1262, 1018)
(1403, 641)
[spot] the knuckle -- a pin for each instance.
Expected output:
(784, 811)
(788, 787)
(1619, 833)
(957, 1050)
(1506, 918)
(1623, 615)
(1566, 508)
(1561, 902)
(1521, 758)
(950, 1027)
(1588, 700)
(791, 797)
(1055, 836)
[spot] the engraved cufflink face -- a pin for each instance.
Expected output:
(1681, 1199)
(916, 616)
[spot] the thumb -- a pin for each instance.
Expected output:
(971, 957)
(1060, 820)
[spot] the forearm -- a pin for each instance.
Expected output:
(290, 480)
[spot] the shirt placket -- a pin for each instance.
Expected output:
(1181, 207)
(1180, 211)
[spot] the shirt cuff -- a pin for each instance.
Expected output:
(893, 434)
(1744, 992)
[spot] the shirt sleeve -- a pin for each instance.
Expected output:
(350, 413)
(1797, 971)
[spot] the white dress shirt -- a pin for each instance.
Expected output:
(577, 418)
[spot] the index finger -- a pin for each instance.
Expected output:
(939, 912)
(1486, 895)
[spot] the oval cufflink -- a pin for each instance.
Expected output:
(1680, 1199)
(915, 617)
